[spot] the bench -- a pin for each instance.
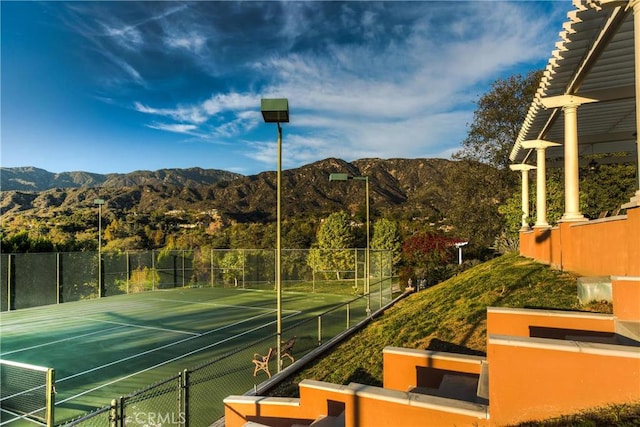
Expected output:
(286, 348)
(261, 363)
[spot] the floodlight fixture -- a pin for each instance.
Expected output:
(275, 110)
(339, 177)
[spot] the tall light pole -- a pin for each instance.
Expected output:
(367, 262)
(99, 202)
(277, 111)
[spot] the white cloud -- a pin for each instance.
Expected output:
(127, 36)
(176, 128)
(191, 114)
(236, 112)
(364, 79)
(243, 123)
(229, 101)
(409, 97)
(192, 42)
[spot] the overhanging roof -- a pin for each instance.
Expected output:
(593, 59)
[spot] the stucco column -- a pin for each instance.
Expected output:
(541, 179)
(570, 104)
(524, 169)
(571, 165)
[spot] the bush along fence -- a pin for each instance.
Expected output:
(194, 397)
(34, 279)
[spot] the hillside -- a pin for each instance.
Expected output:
(411, 185)
(450, 316)
(34, 179)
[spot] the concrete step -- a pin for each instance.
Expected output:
(628, 332)
(453, 386)
(328, 421)
(594, 288)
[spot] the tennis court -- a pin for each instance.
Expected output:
(105, 348)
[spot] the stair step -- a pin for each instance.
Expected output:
(328, 421)
(628, 332)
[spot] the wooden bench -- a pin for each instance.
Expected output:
(286, 348)
(262, 362)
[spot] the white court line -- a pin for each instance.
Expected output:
(131, 325)
(214, 304)
(19, 416)
(165, 362)
(156, 349)
(61, 340)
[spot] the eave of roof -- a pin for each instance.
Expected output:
(594, 58)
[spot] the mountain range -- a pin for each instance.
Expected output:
(413, 187)
(33, 179)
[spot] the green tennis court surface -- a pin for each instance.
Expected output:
(105, 348)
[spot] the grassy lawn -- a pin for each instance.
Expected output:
(451, 316)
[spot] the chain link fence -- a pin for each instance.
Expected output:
(194, 397)
(30, 280)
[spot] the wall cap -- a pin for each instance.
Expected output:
(550, 313)
(323, 385)
(434, 354)
(609, 350)
(424, 401)
(262, 400)
(625, 278)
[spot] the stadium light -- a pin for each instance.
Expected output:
(346, 177)
(277, 111)
(99, 202)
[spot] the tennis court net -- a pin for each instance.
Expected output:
(27, 391)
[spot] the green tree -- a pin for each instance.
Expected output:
(475, 210)
(604, 188)
(233, 264)
(472, 208)
(497, 120)
(386, 235)
(509, 238)
(23, 242)
(331, 251)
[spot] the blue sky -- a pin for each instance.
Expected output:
(122, 86)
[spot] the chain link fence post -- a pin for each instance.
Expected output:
(184, 398)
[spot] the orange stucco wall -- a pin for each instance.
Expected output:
(518, 322)
(375, 413)
(603, 247)
(237, 414)
(536, 383)
(626, 297)
(400, 366)
(360, 408)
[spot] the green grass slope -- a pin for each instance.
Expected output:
(450, 316)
